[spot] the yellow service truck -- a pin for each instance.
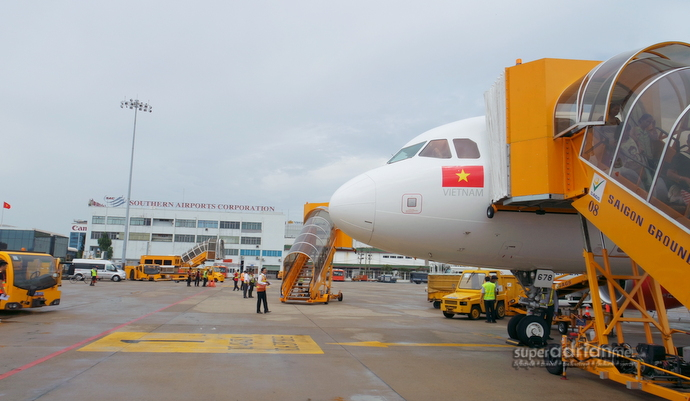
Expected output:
(440, 285)
(467, 298)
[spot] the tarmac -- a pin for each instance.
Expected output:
(167, 341)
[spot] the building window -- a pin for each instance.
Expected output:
(184, 238)
(98, 220)
(251, 241)
(207, 224)
(202, 238)
(272, 253)
(232, 252)
(230, 225)
(139, 237)
(250, 252)
(161, 237)
(110, 234)
(185, 223)
(116, 221)
(139, 221)
(251, 227)
(230, 239)
(163, 222)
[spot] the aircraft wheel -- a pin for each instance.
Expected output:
(532, 330)
(552, 359)
(490, 212)
(437, 304)
(563, 327)
(512, 326)
(475, 312)
(448, 315)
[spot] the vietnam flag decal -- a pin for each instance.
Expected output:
(463, 176)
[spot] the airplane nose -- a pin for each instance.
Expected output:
(352, 207)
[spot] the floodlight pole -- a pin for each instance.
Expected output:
(145, 107)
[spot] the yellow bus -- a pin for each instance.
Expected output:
(31, 280)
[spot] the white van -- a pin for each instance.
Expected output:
(105, 269)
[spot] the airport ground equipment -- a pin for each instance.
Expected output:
(177, 267)
(467, 298)
(440, 285)
(605, 141)
(308, 264)
(32, 280)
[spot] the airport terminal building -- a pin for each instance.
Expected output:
(252, 234)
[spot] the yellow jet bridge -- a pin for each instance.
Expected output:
(608, 141)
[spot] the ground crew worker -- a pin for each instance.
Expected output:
(205, 277)
(489, 296)
(94, 274)
(245, 283)
(236, 278)
(261, 285)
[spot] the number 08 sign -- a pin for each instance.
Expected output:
(544, 278)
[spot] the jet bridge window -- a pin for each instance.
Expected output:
(466, 148)
(406, 152)
(438, 149)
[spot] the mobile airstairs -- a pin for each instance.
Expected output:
(608, 142)
(307, 267)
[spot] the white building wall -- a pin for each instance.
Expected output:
(272, 233)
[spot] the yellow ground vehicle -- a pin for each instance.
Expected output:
(467, 298)
(176, 268)
(440, 285)
(32, 280)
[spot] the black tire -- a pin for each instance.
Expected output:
(532, 331)
(500, 310)
(437, 304)
(448, 315)
(475, 312)
(340, 297)
(552, 359)
(563, 327)
(115, 278)
(512, 326)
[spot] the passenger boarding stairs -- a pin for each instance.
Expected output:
(307, 266)
(211, 249)
(610, 141)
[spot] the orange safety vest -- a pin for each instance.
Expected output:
(261, 287)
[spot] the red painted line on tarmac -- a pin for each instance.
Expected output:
(80, 343)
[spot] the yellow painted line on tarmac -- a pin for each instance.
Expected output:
(205, 343)
(385, 345)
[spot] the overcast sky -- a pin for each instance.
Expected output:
(272, 103)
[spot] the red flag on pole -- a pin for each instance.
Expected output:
(6, 205)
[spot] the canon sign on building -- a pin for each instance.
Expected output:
(79, 228)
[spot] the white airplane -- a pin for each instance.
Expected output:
(431, 199)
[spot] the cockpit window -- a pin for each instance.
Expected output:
(438, 148)
(466, 148)
(406, 153)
